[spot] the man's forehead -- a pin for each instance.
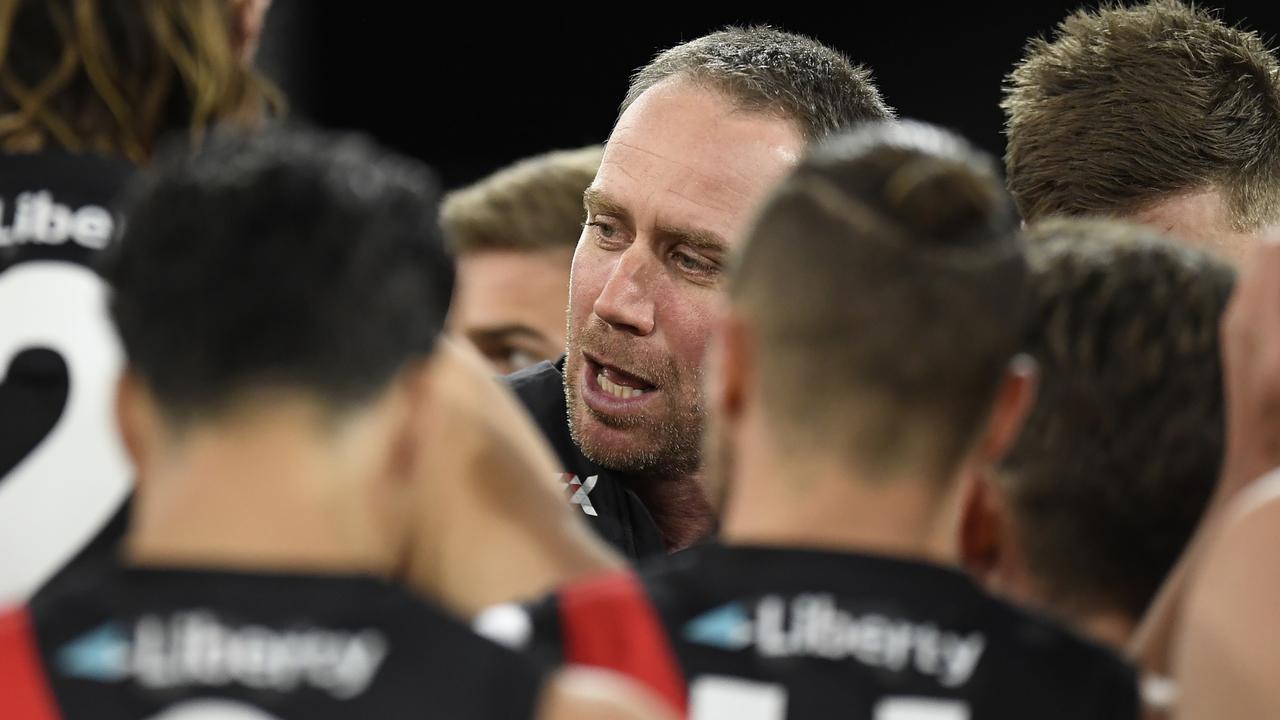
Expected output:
(681, 122)
(634, 173)
(692, 155)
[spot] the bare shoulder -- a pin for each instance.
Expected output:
(1243, 550)
(1228, 652)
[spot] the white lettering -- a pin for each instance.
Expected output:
(194, 648)
(92, 227)
(39, 220)
(813, 624)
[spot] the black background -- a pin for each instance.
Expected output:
(492, 84)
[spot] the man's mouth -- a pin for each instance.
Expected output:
(615, 381)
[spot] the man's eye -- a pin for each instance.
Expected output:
(603, 229)
(694, 264)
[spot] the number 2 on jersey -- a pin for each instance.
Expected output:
(59, 495)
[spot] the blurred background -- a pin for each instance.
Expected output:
(491, 84)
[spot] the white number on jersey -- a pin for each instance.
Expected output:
(61, 494)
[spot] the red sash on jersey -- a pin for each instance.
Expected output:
(24, 690)
(608, 622)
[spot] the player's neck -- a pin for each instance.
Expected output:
(815, 503)
(259, 496)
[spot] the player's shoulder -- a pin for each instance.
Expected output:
(539, 387)
(1067, 665)
(538, 627)
(534, 377)
(657, 581)
(15, 625)
(613, 597)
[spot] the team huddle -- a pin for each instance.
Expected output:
(775, 405)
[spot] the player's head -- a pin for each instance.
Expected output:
(876, 311)
(1096, 499)
(114, 76)
(1159, 113)
(707, 127)
(293, 280)
(513, 233)
(774, 72)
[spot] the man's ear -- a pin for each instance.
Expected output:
(730, 365)
(990, 544)
(981, 519)
(138, 419)
(1014, 399)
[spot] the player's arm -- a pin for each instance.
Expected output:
(494, 522)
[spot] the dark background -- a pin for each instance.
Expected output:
(492, 84)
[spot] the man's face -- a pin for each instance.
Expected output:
(681, 177)
(1200, 220)
(510, 305)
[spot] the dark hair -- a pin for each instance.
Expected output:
(768, 70)
(886, 282)
(1128, 106)
(293, 259)
(1123, 446)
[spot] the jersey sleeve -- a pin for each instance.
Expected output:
(27, 693)
(609, 622)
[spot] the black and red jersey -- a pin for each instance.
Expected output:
(757, 633)
(161, 644)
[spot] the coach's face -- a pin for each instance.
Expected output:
(680, 179)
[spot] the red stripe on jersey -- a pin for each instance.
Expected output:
(608, 622)
(26, 688)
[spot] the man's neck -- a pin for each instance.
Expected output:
(809, 503)
(254, 497)
(679, 508)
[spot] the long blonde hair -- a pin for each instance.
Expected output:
(113, 76)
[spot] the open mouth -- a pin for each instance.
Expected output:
(615, 382)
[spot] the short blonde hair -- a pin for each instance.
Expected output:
(535, 204)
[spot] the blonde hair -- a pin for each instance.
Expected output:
(112, 76)
(1128, 106)
(535, 204)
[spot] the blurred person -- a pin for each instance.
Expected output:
(488, 474)
(1208, 643)
(1226, 658)
(279, 298)
(1093, 504)
(513, 234)
(865, 367)
(1229, 649)
(1158, 113)
(87, 90)
(706, 128)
